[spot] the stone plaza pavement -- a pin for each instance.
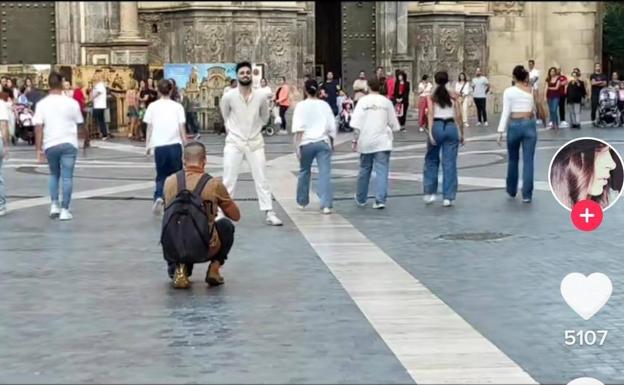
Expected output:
(410, 294)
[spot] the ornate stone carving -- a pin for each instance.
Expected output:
(449, 43)
(425, 43)
(189, 44)
(244, 44)
(156, 50)
(515, 8)
(474, 41)
(278, 50)
(212, 43)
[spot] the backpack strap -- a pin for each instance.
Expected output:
(201, 184)
(181, 178)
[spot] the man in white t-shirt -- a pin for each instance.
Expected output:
(314, 126)
(374, 120)
(4, 150)
(99, 103)
(480, 89)
(165, 121)
(56, 135)
(245, 112)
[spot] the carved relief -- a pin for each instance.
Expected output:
(156, 47)
(449, 43)
(278, 51)
(474, 47)
(515, 8)
(244, 45)
(212, 43)
(189, 44)
(425, 43)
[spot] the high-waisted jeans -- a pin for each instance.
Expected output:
(521, 132)
(446, 136)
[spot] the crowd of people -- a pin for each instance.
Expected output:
(380, 107)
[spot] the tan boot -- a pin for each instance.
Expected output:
(180, 280)
(213, 277)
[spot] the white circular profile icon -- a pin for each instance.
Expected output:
(586, 168)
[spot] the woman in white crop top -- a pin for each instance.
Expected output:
(518, 117)
(445, 134)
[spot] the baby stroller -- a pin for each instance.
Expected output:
(345, 115)
(24, 126)
(274, 120)
(608, 111)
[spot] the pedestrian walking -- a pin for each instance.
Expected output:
(4, 151)
(463, 91)
(552, 96)
(244, 112)
(445, 135)
(314, 126)
(374, 121)
(563, 82)
(401, 98)
(166, 135)
(381, 76)
(598, 81)
(56, 137)
(424, 91)
(132, 103)
(331, 90)
(220, 231)
(282, 100)
(360, 87)
(518, 118)
(576, 92)
(99, 98)
(481, 88)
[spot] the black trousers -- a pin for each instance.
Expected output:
(594, 107)
(282, 112)
(481, 109)
(98, 115)
(191, 122)
(225, 229)
(562, 103)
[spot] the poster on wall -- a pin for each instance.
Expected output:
(257, 74)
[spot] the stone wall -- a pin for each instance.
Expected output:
(227, 35)
(551, 33)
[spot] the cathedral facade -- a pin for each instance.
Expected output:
(297, 38)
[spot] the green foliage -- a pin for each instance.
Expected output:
(613, 29)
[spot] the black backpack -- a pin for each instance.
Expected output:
(186, 229)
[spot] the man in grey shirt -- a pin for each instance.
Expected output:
(481, 87)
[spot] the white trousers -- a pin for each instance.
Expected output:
(233, 158)
(464, 109)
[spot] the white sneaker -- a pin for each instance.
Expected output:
(421, 129)
(357, 202)
(486, 124)
(429, 199)
(65, 215)
(379, 206)
(55, 210)
(466, 125)
(447, 203)
(272, 219)
(157, 207)
(3, 211)
(327, 211)
(564, 124)
(301, 208)
(478, 124)
(549, 124)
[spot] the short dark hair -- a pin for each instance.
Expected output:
(194, 151)
(165, 87)
(425, 77)
(520, 73)
(531, 61)
(243, 64)
(374, 84)
(55, 81)
(232, 81)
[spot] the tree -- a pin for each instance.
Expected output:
(613, 26)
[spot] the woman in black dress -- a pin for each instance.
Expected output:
(401, 98)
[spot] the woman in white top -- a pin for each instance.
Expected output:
(518, 117)
(314, 127)
(463, 91)
(424, 91)
(446, 133)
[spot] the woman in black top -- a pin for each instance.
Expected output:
(575, 93)
(401, 97)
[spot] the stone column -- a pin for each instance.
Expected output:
(128, 20)
(400, 57)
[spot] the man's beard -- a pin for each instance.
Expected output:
(244, 82)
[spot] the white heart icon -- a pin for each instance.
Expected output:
(585, 381)
(586, 295)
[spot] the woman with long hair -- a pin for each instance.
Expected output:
(462, 89)
(401, 98)
(446, 133)
(586, 169)
(552, 96)
(518, 117)
(424, 91)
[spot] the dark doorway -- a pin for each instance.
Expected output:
(28, 32)
(328, 19)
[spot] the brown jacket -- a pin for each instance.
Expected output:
(214, 192)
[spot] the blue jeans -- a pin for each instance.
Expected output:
(168, 161)
(446, 136)
(321, 151)
(553, 110)
(521, 133)
(61, 160)
(2, 192)
(380, 162)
